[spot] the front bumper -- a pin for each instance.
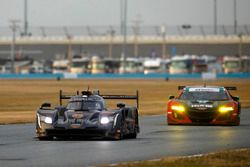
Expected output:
(78, 132)
(213, 119)
(98, 131)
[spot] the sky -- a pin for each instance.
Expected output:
(107, 12)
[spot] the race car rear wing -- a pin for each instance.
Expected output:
(230, 88)
(181, 87)
(226, 87)
(62, 96)
(126, 97)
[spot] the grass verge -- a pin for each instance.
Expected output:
(230, 158)
(20, 99)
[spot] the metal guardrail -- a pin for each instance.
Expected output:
(182, 30)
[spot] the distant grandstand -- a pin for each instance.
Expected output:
(141, 40)
(154, 30)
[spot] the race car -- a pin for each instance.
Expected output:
(204, 105)
(85, 115)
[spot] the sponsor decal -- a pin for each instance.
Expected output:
(77, 115)
(202, 106)
(204, 89)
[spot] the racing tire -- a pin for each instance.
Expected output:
(119, 126)
(133, 135)
(45, 138)
(119, 136)
(238, 122)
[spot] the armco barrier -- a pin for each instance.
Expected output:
(233, 75)
(121, 76)
(31, 76)
(139, 75)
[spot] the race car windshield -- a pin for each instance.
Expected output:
(211, 96)
(84, 105)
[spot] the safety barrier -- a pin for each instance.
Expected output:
(126, 76)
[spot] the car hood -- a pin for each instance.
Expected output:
(81, 119)
(71, 114)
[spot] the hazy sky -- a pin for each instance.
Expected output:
(107, 12)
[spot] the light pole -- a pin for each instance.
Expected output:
(163, 32)
(25, 28)
(136, 41)
(69, 52)
(13, 26)
(240, 45)
(25, 17)
(215, 17)
(69, 38)
(121, 16)
(235, 17)
(111, 35)
(124, 30)
(136, 29)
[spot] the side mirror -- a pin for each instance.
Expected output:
(120, 105)
(171, 97)
(236, 98)
(44, 105)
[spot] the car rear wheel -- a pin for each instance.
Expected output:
(133, 135)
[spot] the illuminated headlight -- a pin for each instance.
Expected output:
(178, 108)
(46, 119)
(104, 120)
(224, 109)
(107, 119)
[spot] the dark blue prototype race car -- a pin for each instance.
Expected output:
(86, 115)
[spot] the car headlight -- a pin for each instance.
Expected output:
(224, 109)
(45, 119)
(104, 120)
(48, 120)
(107, 119)
(179, 108)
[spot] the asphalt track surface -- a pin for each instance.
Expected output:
(19, 147)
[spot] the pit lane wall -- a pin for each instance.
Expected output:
(126, 76)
